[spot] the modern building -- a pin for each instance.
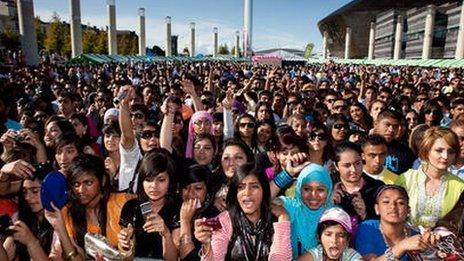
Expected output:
(8, 15)
(406, 29)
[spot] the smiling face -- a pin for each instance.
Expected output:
(334, 240)
(31, 193)
(250, 196)
(314, 194)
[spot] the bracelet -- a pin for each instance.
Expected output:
(71, 255)
(282, 179)
(185, 239)
(389, 256)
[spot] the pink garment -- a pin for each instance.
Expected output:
(269, 173)
(281, 249)
(191, 135)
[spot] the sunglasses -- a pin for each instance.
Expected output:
(340, 126)
(148, 134)
(137, 115)
(250, 125)
(320, 136)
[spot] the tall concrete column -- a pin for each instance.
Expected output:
(76, 30)
(460, 42)
(325, 35)
(347, 42)
(398, 38)
(192, 39)
(237, 44)
(428, 32)
(370, 52)
(142, 37)
(168, 36)
(112, 34)
(27, 31)
(215, 41)
(248, 27)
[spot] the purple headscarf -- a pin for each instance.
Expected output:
(191, 135)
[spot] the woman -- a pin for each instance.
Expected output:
(81, 126)
(313, 195)
(431, 113)
(334, 233)
(196, 204)
(360, 118)
(245, 130)
(432, 189)
(54, 127)
(338, 126)
(412, 118)
(148, 234)
(246, 229)
(265, 132)
(204, 149)
(111, 139)
(263, 112)
(200, 123)
(320, 148)
(390, 238)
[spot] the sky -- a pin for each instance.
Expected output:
(276, 23)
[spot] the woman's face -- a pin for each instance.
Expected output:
(177, 126)
(441, 155)
(202, 126)
(111, 141)
(356, 113)
(246, 127)
(412, 120)
(317, 140)
(65, 155)
(334, 240)
(298, 109)
(203, 152)
(218, 128)
(350, 166)
(250, 196)
(431, 116)
(339, 131)
(284, 155)
(299, 127)
(86, 187)
(197, 190)
(52, 131)
(232, 158)
(264, 133)
(263, 113)
(79, 127)
(392, 206)
(314, 194)
(31, 193)
(156, 188)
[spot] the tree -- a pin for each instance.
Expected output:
(10, 39)
(101, 45)
(223, 49)
(186, 51)
(40, 32)
(233, 50)
(308, 50)
(58, 37)
(89, 41)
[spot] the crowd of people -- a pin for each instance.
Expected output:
(230, 161)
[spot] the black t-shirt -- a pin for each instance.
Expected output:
(148, 245)
(400, 157)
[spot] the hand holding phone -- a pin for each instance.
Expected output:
(213, 223)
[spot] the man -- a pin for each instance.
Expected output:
(330, 98)
(457, 126)
(339, 106)
(400, 157)
(374, 152)
(66, 105)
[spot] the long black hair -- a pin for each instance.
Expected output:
(88, 164)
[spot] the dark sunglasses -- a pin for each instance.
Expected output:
(320, 136)
(137, 115)
(340, 126)
(148, 134)
(250, 125)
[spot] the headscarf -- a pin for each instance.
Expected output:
(191, 134)
(304, 220)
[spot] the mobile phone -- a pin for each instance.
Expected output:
(146, 209)
(213, 223)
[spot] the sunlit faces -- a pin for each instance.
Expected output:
(202, 126)
(314, 194)
(441, 155)
(65, 155)
(457, 110)
(156, 188)
(203, 152)
(317, 140)
(350, 166)
(52, 131)
(340, 131)
(31, 193)
(111, 141)
(356, 113)
(388, 128)
(263, 113)
(376, 108)
(149, 138)
(334, 240)
(374, 157)
(218, 128)
(412, 120)
(264, 133)
(86, 188)
(286, 153)
(299, 126)
(195, 190)
(392, 206)
(232, 158)
(80, 128)
(460, 133)
(250, 196)
(246, 127)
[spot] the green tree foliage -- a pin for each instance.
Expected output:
(223, 49)
(58, 38)
(10, 39)
(89, 40)
(186, 51)
(101, 44)
(308, 50)
(40, 32)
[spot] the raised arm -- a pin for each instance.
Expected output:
(166, 126)
(125, 123)
(189, 88)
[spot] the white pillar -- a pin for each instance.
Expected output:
(142, 39)
(192, 39)
(27, 31)
(248, 27)
(325, 35)
(460, 42)
(168, 36)
(237, 44)
(428, 32)
(215, 41)
(112, 34)
(347, 42)
(76, 30)
(398, 38)
(370, 52)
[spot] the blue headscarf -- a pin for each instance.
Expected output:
(304, 220)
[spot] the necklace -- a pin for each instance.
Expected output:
(385, 239)
(428, 207)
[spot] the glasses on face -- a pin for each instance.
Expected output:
(202, 123)
(250, 125)
(320, 136)
(137, 115)
(340, 126)
(205, 148)
(148, 134)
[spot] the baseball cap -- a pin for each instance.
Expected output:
(337, 215)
